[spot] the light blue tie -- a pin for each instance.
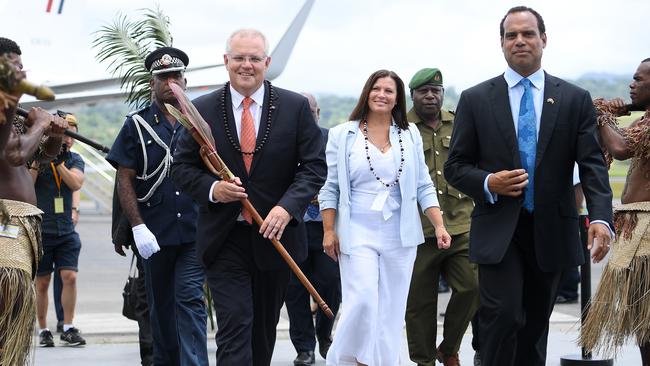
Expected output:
(312, 211)
(527, 139)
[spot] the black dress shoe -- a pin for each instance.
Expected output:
(305, 358)
(324, 346)
(443, 287)
(566, 300)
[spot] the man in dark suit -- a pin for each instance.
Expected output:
(267, 136)
(513, 147)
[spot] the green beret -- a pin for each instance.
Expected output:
(426, 76)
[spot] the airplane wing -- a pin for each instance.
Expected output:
(107, 83)
(282, 51)
(65, 101)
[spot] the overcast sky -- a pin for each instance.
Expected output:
(343, 41)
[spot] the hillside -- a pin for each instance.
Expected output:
(102, 122)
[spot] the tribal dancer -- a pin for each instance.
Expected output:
(37, 137)
(621, 306)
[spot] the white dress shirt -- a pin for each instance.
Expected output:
(515, 92)
(255, 107)
(237, 109)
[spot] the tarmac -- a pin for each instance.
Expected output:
(112, 339)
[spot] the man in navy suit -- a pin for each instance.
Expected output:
(268, 138)
(513, 147)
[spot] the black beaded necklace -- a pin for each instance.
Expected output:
(236, 145)
(401, 152)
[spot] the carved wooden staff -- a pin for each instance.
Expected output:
(200, 130)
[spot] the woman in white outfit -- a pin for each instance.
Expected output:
(376, 178)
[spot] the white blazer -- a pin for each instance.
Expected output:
(415, 182)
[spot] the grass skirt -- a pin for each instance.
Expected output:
(18, 262)
(620, 308)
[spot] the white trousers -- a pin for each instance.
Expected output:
(375, 284)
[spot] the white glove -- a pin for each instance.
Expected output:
(145, 241)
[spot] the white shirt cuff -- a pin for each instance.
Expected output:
(489, 196)
(210, 192)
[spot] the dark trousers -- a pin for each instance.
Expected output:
(142, 312)
(57, 288)
(476, 345)
(569, 283)
(323, 273)
(174, 283)
(422, 303)
(247, 302)
(516, 299)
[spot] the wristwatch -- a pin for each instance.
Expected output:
(75, 209)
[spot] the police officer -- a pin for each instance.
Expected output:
(163, 218)
(435, 125)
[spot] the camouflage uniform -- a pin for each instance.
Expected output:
(462, 276)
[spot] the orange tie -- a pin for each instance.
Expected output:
(247, 143)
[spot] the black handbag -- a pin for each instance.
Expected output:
(120, 227)
(129, 293)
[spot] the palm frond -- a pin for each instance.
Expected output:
(125, 44)
(157, 28)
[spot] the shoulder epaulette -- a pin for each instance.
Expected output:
(130, 114)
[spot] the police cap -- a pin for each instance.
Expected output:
(166, 59)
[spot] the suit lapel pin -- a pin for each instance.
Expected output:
(550, 100)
